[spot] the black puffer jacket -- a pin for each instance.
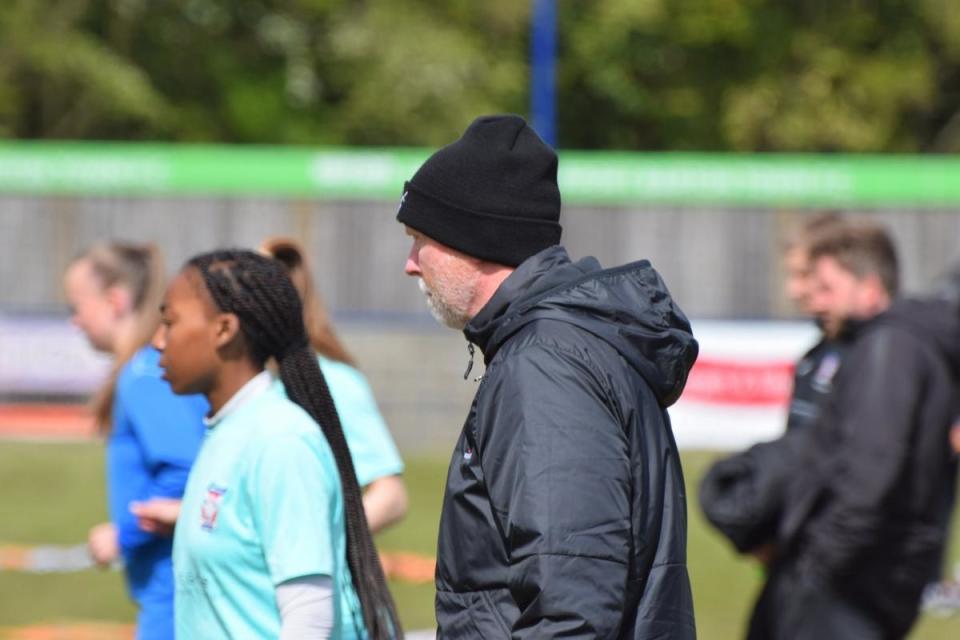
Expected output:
(564, 513)
(743, 495)
(866, 516)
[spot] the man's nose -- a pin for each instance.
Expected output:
(412, 268)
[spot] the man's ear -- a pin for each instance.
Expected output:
(874, 294)
(227, 329)
(120, 300)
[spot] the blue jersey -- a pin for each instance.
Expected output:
(154, 440)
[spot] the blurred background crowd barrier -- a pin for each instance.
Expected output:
(712, 224)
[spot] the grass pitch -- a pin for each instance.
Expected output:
(53, 493)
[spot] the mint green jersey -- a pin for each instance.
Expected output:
(372, 448)
(263, 505)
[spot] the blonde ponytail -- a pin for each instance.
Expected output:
(320, 330)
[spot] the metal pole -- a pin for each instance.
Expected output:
(543, 85)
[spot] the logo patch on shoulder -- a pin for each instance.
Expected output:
(211, 507)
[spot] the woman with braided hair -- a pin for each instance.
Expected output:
(271, 540)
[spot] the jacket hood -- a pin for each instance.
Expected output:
(935, 320)
(628, 307)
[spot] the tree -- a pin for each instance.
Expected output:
(322, 71)
(58, 80)
(743, 75)
(762, 75)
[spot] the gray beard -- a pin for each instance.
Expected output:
(441, 311)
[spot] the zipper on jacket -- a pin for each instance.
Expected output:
(466, 374)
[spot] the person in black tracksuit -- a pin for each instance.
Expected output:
(862, 527)
(564, 513)
(742, 494)
(857, 501)
(862, 530)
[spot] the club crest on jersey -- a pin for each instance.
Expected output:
(823, 378)
(211, 507)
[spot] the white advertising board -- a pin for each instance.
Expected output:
(739, 389)
(46, 355)
(736, 395)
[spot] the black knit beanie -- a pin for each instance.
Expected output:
(492, 194)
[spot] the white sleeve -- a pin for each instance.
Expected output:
(306, 607)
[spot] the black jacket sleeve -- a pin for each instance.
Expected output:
(558, 471)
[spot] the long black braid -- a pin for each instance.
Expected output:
(257, 289)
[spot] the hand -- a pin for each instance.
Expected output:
(157, 515)
(764, 553)
(103, 544)
(955, 437)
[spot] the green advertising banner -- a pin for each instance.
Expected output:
(378, 173)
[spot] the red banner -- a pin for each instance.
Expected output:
(730, 382)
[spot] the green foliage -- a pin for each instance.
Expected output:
(61, 81)
(745, 75)
(758, 75)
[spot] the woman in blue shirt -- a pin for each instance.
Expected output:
(152, 435)
(375, 456)
(271, 539)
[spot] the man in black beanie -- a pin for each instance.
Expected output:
(564, 513)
